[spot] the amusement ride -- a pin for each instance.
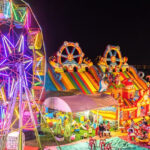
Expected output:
(22, 66)
(23, 71)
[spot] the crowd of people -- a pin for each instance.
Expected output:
(140, 128)
(103, 129)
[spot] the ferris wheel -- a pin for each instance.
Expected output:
(70, 53)
(113, 56)
(22, 65)
(21, 41)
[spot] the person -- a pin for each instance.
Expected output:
(140, 123)
(101, 130)
(144, 121)
(132, 124)
(108, 128)
(91, 118)
(108, 125)
(126, 126)
(104, 125)
(97, 131)
(148, 121)
(144, 131)
(95, 124)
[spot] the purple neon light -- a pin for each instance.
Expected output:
(13, 89)
(25, 76)
(7, 43)
(28, 65)
(6, 39)
(20, 44)
(4, 74)
(8, 85)
(2, 61)
(27, 61)
(4, 48)
(28, 19)
(28, 57)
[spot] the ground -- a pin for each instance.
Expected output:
(49, 141)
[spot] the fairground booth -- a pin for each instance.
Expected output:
(83, 113)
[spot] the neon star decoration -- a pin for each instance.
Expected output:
(15, 66)
(13, 57)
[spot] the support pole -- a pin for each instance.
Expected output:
(118, 117)
(20, 107)
(32, 118)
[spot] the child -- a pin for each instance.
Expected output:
(108, 127)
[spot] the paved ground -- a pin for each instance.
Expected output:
(113, 134)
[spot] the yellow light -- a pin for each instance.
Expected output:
(17, 113)
(39, 53)
(27, 61)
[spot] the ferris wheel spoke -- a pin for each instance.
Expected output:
(28, 57)
(38, 75)
(8, 46)
(110, 52)
(64, 56)
(37, 79)
(67, 50)
(1, 63)
(3, 74)
(66, 61)
(108, 59)
(113, 64)
(20, 44)
(73, 50)
(28, 66)
(76, 56)
(4, 68)
(29, 74)
(117, 59)
(25, 78)
(115, 53)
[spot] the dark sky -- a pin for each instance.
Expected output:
(95, 24)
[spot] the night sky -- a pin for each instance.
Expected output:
(95, 24)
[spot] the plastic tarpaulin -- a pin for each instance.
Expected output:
(79, 103)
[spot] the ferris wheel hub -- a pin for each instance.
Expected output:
(113, 59)
(70, 57)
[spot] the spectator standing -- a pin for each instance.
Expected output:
(101, 130)
(132, 124)
(144, 121)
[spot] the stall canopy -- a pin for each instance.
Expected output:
(79, 103)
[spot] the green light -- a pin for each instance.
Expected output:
(16, 17)
(38, 83)
(19, 14)
(21, 20)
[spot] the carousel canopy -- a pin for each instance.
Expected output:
(79, 103)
